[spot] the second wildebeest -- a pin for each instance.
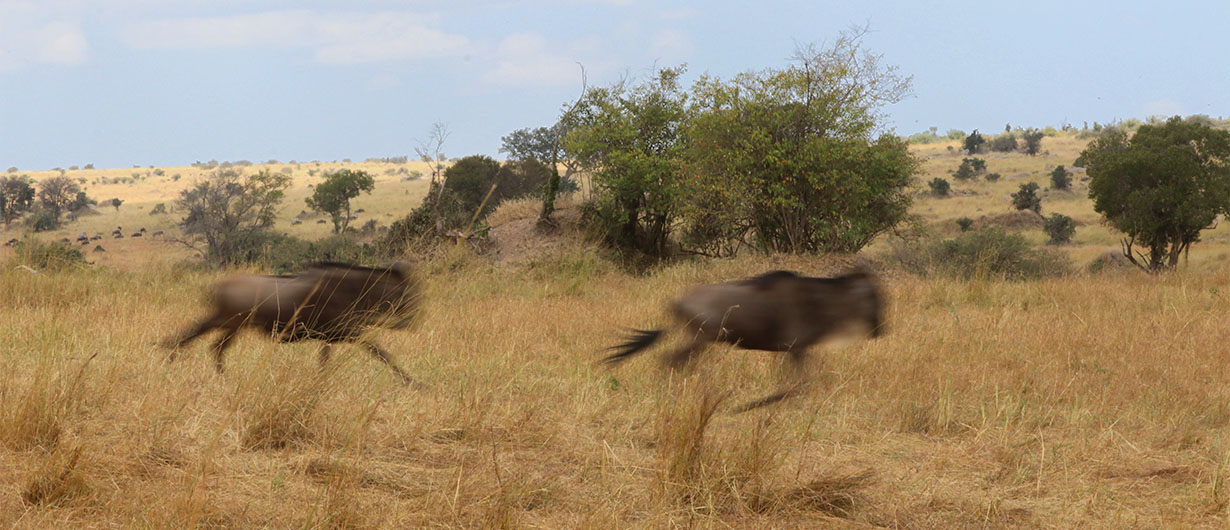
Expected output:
(329, 302)
(778, 311)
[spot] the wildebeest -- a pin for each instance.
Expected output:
(158, 233)
(329, 302)
(137, 234)
(778, 311)
(11, 243)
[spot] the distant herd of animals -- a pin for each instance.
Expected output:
(779, 311)
(84, 239)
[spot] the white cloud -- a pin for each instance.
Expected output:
(334, 37)
(31, 33)
(525, 59)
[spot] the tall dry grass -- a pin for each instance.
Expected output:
(1094, 401)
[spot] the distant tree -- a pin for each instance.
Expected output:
(116, 202)
(55, 194)
(1026, 198)
(89, 166)
(991, 177)
(159, 208)
(1004, 143)
(227, 211)
(80, 204)
(431, 151)
(333, 195)
(544, 145)
(16, 198)
(1060, 228)
(1033, 141)
(974, 142)
(965, 171)
(1161, 186)
(965, 223)
(939, 187)
(1061, 179)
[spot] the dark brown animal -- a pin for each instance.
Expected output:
(329, 302)
(779, 311)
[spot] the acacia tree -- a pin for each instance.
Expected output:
(630, 139)
(333, 195)
(1160, 187)
(56, 194)
(226, 211)
(16, 198)
(116, 202)
(796, 160)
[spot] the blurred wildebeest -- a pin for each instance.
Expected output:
(778, 311)
(329, 302)
(137, 234)
(158, 233)
(11, 243)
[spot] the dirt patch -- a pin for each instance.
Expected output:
(521, 240)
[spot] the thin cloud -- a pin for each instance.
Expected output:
(333, 37)
(670, 46)
(525, 59)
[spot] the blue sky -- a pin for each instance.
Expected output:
(169, 82)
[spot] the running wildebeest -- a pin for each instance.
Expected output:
(778, 311)
(329, 302)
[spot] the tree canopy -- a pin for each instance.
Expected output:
(333, 195)
(1160, 187)
(226, 210)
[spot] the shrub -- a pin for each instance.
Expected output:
(1061, 179)
(158, 208)
(939, 187)
(1060, 228)
(1026, 198)
(978, 164)
(41, 255)
(991, 177)
(1033, 141)
(964, 172)
(989, 252)
(974, 142)
(965, 223)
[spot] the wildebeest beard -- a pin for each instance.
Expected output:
(779, 311)
(330, 302)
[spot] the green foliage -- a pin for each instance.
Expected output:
(42, 220)
(56, 194)
(1161, 187)
(1033, 141)
(973, 143)
(159, 208)
(965, 223)
(969, 168)
(1026, 198)
(789, 160)
(281, 253)
(955, 134)
(1060, 228)
(46, 256)
(929, 136)
(333, 196)
(116, 202)
(1004, 143)
(978, 164)
(470, 180)
(16, 198)
(630, 139)
(544, 145)
(1061, 179)
(991, 177)
(984, 253)
(939, 187)
(226, 211)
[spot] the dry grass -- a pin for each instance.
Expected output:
(1089, 400)
(1096, 401)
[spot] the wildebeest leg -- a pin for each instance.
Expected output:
(384, 357)
(220, 347)
(680, 358)
(325, 350)
(174, 343)
(796, 363)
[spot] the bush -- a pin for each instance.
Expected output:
(989, 252)
(1026, 198)
(158, 208)
(282, 253)
(1060, 228)
(939, 187)
(991, 177)
(51, 256)
(42, 220)
(974, 142)
(965, 223)
(964, 172)
(1061, 179)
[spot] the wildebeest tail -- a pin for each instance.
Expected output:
(638, 341)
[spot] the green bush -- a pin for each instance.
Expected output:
(46, 256)
(939, 187)
(1061, 179)
(984, 253)
(1060, 228)
(965, 223)
(1026, 198)
(991, 177)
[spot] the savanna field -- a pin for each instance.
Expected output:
(1090, 400)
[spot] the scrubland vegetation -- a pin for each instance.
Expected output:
(1032, 374)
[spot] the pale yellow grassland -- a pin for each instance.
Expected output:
(1086, 401)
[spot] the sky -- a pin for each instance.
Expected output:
(169, 82)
